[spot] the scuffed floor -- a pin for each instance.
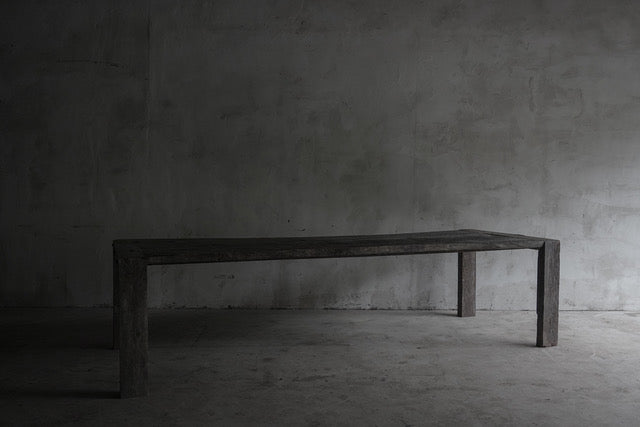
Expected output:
(395, 368)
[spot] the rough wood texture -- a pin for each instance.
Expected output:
(116, 303)
(548, 293)
(131, 258)
(185, 251)
(133, 327)
(466, 284)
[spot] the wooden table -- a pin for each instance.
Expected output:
(131, 258)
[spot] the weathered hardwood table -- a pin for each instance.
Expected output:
(131, 258)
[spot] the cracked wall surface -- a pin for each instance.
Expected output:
(194, 119)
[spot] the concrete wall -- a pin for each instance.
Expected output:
(310, 118)
(73, 120)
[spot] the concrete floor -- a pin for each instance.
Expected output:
(388, 368)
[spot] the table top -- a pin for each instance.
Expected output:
(206, 250)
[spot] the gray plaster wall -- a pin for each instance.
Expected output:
(252, 118)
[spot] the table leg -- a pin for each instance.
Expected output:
(132, 297)
(466, 284)
(548, 293)
(116, 304)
